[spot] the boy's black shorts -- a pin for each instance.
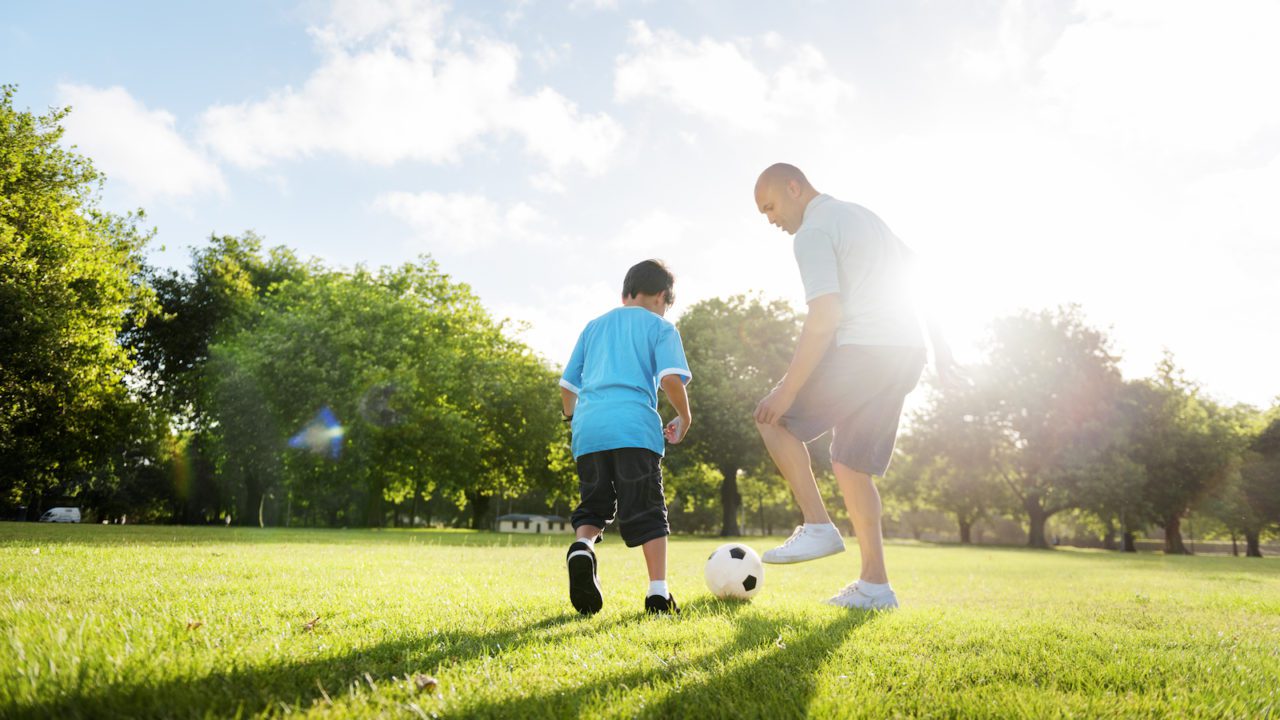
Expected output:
(626, 482)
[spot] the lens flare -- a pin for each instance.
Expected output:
(322, 436)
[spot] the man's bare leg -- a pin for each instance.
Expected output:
(862, 500)
(792, 458)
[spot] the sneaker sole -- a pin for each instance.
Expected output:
(584, 589)
(876, 608)
(775, 560)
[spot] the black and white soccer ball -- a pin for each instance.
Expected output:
(734, 571)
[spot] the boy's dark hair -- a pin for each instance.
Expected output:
(650, 277)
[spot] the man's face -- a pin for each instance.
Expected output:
(780, 205)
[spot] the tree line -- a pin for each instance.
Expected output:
(259, 388)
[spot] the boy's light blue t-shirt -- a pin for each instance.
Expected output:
(615, 369)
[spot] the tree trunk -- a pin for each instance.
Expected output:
(965, 527)
(1173, 544)
(479, 509)
(1109, 537)
(413, 512)
(730, 500)
(1036, 517)
(1253, 547)
(1235, 546)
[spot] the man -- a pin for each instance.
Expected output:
(860, 352)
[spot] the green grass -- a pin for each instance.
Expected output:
(94, 623)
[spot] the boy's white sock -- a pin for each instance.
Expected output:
(823, 527)
(873, 589)
(658, 587)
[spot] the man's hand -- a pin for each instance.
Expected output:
(951, 375)
(774, 406)
(675, 430)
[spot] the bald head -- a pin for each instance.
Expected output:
(782, 194)
(783, 174)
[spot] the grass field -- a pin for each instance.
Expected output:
(102, 621)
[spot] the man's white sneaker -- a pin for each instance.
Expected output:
(853, 597)
(807, 543)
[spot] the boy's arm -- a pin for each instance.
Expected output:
(569, 399)
(673, 386)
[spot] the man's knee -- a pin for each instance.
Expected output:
(770, 431)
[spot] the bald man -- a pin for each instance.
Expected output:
(860, 352)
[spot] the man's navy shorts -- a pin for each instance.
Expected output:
(857, 392)
(626, 483)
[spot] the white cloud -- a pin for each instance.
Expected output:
(463, 223)
(652, 234)
(594, 4)
(133, 145)
(553, 318)
(396, 85)
(1178, 79)
(721, 82)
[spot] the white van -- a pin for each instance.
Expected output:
(61, 514)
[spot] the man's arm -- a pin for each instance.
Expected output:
(815, 337)
(673, 386)
(950, 374)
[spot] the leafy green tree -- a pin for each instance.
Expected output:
(737, 350)
(1113, 487)
(219, 295)
(951, 460)
(1049, 391)
(67, 287)
(433, 399)
(1249, 501)
(1186, 445)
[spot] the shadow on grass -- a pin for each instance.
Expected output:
(734, 679)
(250, 691)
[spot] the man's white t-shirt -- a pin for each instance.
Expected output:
(845, 248)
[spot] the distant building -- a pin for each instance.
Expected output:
(519, 523)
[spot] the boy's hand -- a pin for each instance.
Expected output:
(675, 430)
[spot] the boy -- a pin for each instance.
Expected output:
(609, 389)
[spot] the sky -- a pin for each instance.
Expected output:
(1122, 155)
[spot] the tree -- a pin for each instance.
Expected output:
(1249, 501)
(1186, 445)
(429, 395)
(1050, 393)
(737, 349)
(221, 294)
(951, 461)
(67, 287)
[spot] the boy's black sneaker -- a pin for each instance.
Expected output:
(656, 604)
(584, 586)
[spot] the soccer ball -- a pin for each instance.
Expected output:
(734, 571)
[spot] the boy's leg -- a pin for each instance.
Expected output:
(595, 511)
(659, 599)
(642, 520)
(655, 558)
